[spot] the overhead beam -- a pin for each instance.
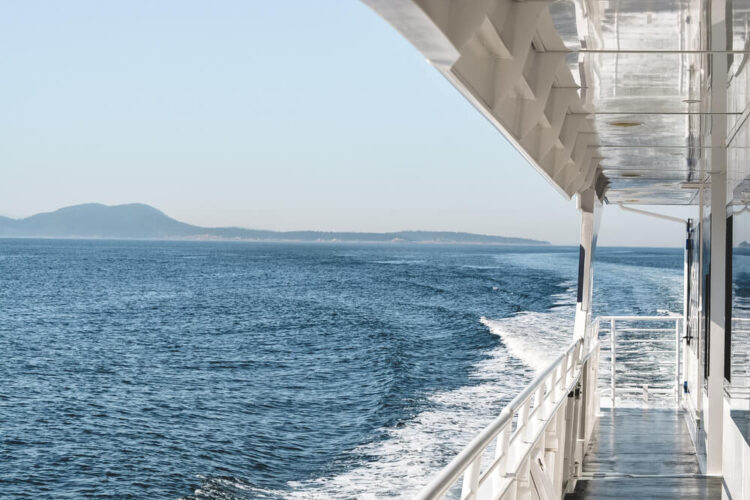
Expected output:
(620, 113)
(646, 51)
(654, 146)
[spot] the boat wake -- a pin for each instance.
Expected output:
(533, 338)
(410, 453)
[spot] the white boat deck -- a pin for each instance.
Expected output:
(549, 437)
(623, 102)
(643, 453)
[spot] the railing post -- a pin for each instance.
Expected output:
(561, 379)
(539, 410)
(501, 453)
(523, 419)
(613, 359)
(470, 484)
(570, 437)
(585, 400)
(560, 427)
(553, 395)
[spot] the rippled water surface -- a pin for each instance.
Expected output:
(238, 370)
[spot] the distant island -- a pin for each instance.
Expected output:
(140, 221)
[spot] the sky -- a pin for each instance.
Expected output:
(278, 115)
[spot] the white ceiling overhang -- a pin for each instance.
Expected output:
(602, 94)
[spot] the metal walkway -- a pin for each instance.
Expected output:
(643, 453)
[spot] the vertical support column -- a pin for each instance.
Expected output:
(686, 303)
(613, 360)
(677, 387)
(714, 428)
(686, 272)
(699, 387)
(590, 208)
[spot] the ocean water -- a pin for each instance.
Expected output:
(257, 370)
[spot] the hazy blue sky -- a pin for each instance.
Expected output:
(275, 115)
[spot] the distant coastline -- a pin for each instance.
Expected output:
(143, 222)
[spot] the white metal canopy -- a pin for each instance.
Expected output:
(611, 95)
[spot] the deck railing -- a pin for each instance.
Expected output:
(539, 437)
(640, 358)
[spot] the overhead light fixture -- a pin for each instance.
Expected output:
(630, 174)
(633, 200)
(625, 124)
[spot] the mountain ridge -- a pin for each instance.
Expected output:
(141, 221)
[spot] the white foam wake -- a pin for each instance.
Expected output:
(532, 337)
(536, 338)
(399, 465)
(403, 462)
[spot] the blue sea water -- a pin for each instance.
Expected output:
(245, 370)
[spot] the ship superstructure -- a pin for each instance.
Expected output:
(618, 102)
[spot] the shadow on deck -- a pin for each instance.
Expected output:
(643, 453)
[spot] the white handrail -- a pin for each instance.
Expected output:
(544, 451)
(554, 383)
(639, 318)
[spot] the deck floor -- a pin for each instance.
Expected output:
(643, 453)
